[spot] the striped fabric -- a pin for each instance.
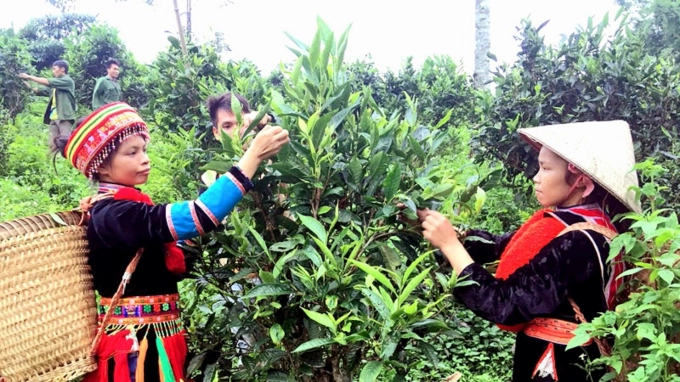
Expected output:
(94, 140)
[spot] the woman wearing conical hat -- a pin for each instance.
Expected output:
(585, 176)
(144, 340)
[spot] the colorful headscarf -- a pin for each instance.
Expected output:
(96, 138)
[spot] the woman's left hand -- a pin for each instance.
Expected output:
(437, 229)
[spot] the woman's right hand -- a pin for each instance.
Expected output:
(265, 145)
(268, 142)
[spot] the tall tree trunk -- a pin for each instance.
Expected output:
(182, 41)
(188, 13)
(482, 73)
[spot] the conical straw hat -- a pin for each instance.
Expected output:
(602, 150)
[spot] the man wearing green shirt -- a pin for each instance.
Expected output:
(61, 109)
(107, 89)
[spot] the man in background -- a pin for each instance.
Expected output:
(61, 109)
(107, 88)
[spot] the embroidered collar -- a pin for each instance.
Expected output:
(591, 206)
(105, 187)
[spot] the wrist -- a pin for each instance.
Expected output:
(249, 163)
(245, 181)
(457, 256)
(451, 248)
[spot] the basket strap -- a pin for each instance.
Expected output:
(87, 203)
(116, 297)
(605, 349)
(608, 233)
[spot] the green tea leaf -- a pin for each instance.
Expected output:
(276, 333)
(315, 226)
(322, 319)
(355, 171)
(415, 146)
(667, 275)
(371, 371)
(264, 290)
(375, 272)
(313, 344)
(444, 120)
(377, 303)
(392, 183)
(412, 285)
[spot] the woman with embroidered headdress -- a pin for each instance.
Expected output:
(585, 175)
(144, 339)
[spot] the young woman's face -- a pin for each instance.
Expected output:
(550, 183)
(129, 164)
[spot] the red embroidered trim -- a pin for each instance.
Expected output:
(552, 330)
(237, 183)
(207, 211)
(168, 219)
(194, 216)
(549, 351)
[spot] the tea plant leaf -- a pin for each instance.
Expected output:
(278, 267)
(371, 371)
(313, 344)
(415, 146)
(388, 348)
(480, 199)
(342, 46)
(328, 47)
(196, 362)
(297, 42)
(413, 265)
(315, 226)
(340, 116)
(276, 333)
(327, 252)
(315, 48)
(430, 324)
(355, 171)
(375, 166)
(211, 370)
(580, 338)
(323, 319)
(377, 303)
(444, 119)
(667, 275)
(392, 182)
(412, 285)
(374, 272)
(269, 290)
(260, 240)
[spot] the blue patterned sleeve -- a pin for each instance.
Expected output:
(192, 218)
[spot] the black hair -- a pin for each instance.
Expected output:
(223, 102)
(62, 64)
(111, 61)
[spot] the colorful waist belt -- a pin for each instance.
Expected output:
(141, 309)
(552, 330)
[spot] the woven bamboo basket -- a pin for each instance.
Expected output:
(48, 317)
